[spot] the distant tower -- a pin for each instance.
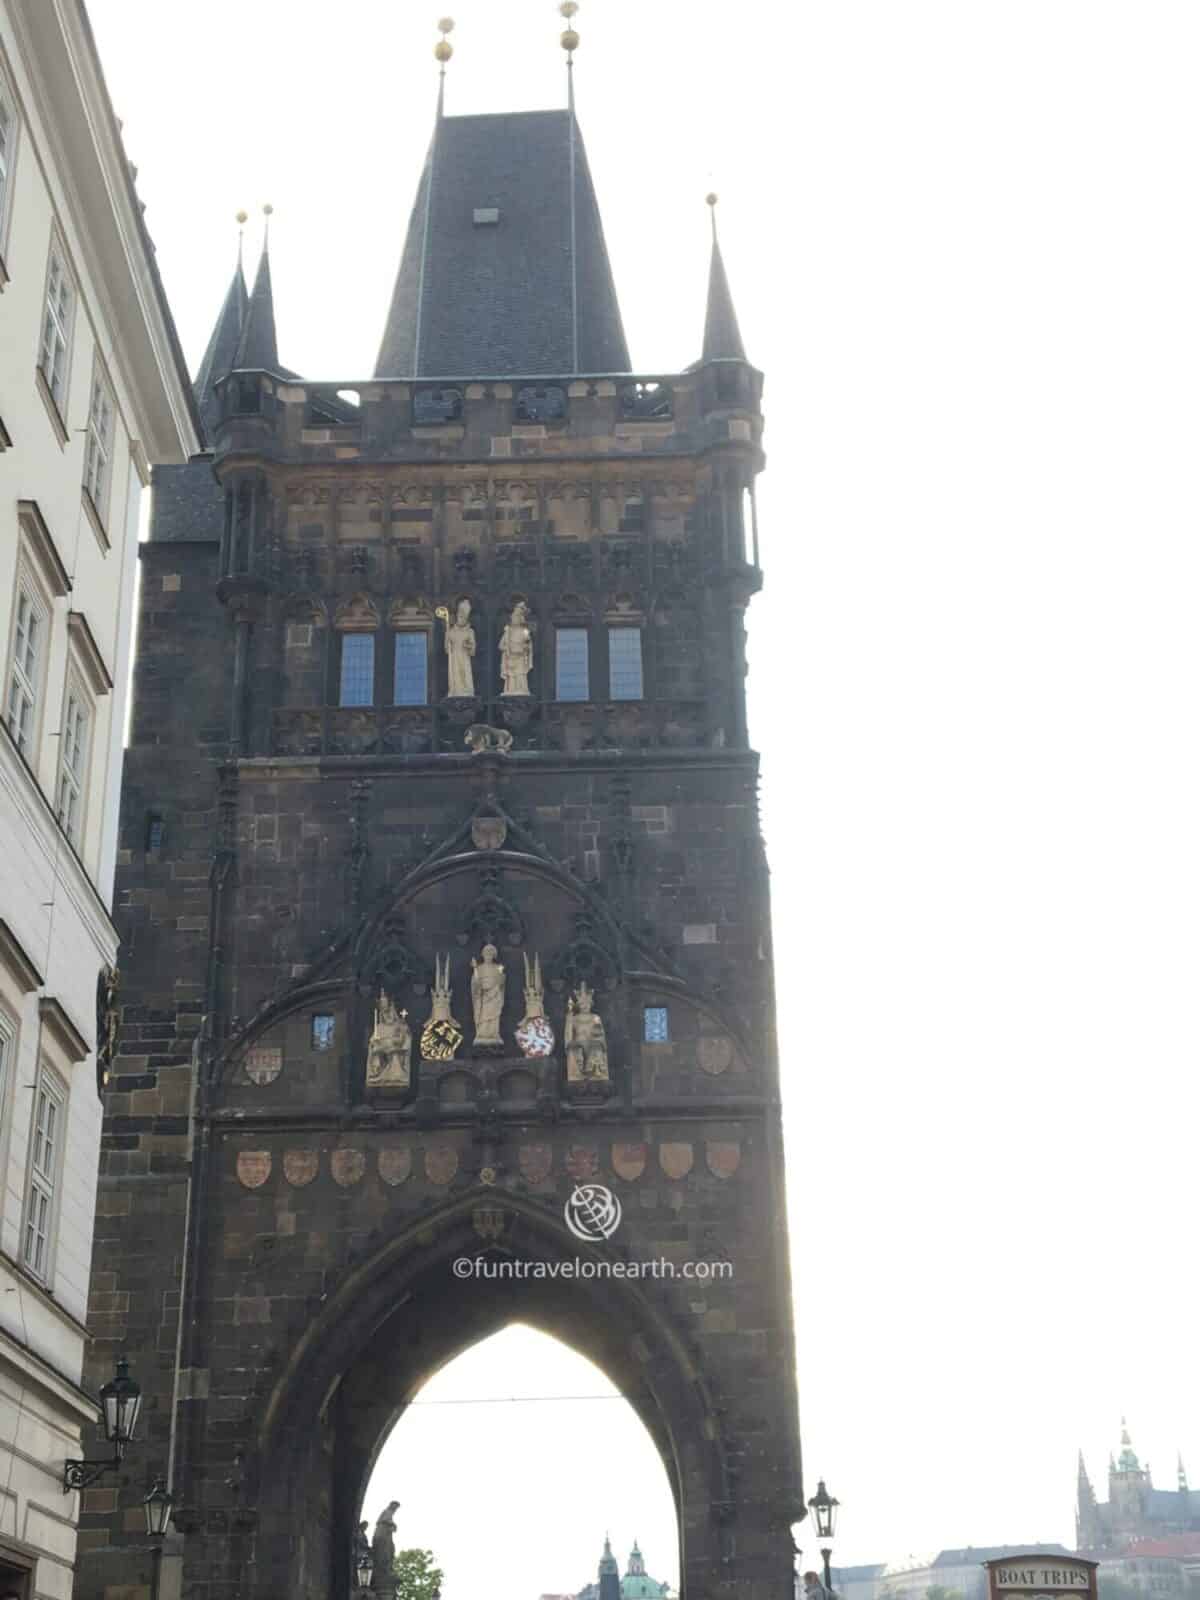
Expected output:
(1128, 1488)
(1088, 1532)
(610, 1581)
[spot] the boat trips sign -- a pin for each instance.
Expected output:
(1041, 1577)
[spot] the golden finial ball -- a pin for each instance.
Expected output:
(446, 25)
(568, 8)
(442, 51)
(243, 217)
(570, 40)
(710, 199)
(268, 210)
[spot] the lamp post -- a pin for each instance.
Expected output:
(120, 1405)
(824, 1510)
(158, 1505)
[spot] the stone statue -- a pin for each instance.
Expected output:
(383, 1549)
(389, 1052)
(441, 1035)
(487, 996)
(460, 648)
(516, 652)
(534, 1034)
(583, 1036)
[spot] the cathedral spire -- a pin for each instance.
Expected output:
(256, 347)
(1181, 1474)
(222, 344)
(722, 337)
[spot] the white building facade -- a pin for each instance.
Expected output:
(93, 390)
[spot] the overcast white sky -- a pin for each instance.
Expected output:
(964, 245)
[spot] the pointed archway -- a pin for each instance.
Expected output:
(504, 1469)
(403, 1315)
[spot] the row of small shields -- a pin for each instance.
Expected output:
(348, 1164)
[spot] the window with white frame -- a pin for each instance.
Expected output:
(8, 152)
(97, 456)
(44, 1151)
(55, 357)
(74, 744)
(8, 1046)
(26, 666)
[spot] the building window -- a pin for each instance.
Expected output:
(625, 663)
(571, 664)
(655, 1029)
(72, 763)
(154, 830)
(358, 670)
(25, 670)
(8, 152)
(7, 1052)
(323, 1029)
(97, 459)
(55, 357)
(411, 686)
(43, 1175)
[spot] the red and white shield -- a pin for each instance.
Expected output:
(253, 1168)
(676, 1159)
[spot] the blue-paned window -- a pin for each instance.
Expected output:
(323, 1029)
(411, 684)
(655, 1028)
(571, 664)
(625, 663)
(358, 670)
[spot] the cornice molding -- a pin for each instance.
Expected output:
(88, 651)
(16, 959)
(62, 1030)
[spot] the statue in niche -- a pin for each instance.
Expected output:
(383, 1548)
(460, 648)
(487, 996)
(516, 652)
(441, 1035)
(534, 1035)
(389, 1051)
(583, 1036)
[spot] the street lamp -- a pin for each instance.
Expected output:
(824, 1510)
(158, 1506)
(120, 1403)
(364, 1568)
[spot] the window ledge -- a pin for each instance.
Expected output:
(3, 274)
(97, 522)
(51, 405)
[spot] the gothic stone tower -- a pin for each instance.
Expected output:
(327, 1088)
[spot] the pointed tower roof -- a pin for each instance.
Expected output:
(608, 1562)
(1127, 1461)
(637, 1564)
(1086, 1493)
(1181, 1474)
(505, 269)
(256, 347)
(222, 348)
(722, 337)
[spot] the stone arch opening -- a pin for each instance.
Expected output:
(494, 1466)
(395, 1320)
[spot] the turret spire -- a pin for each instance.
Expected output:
(442, 51)
(722, 337)
(222, 345)
(257, 347)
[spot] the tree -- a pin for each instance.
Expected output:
(939, 1591)
(416, 1576)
